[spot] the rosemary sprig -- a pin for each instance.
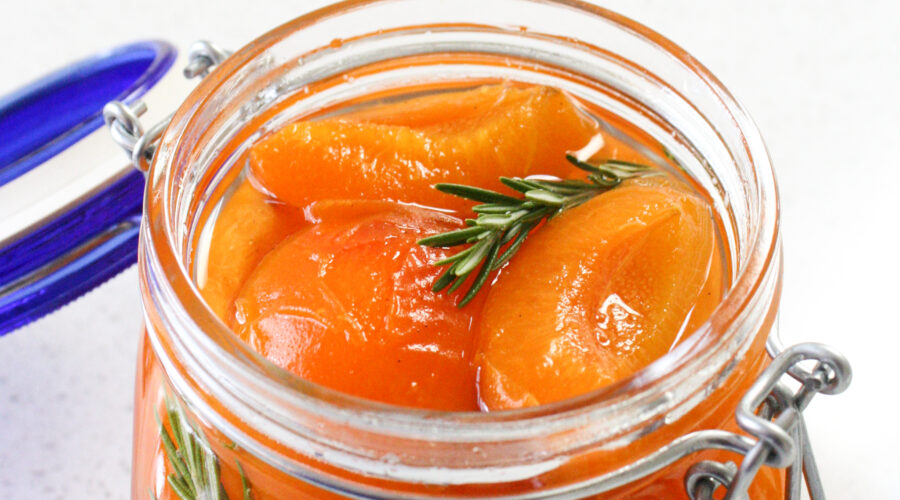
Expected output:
(504, 222)
(195, 467)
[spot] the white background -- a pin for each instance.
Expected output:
(821, 79)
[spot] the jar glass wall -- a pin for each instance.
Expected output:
(296, 439)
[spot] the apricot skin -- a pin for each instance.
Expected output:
(597, 294)
(507, 131)
(249, 225)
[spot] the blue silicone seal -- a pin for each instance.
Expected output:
(75, 250)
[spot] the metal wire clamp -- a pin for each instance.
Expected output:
(123, 120)
(771, 413)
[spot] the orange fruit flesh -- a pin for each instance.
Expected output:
(597, 294)
(506, 131)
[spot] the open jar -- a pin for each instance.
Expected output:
(711, 413)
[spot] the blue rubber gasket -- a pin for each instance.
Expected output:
(57, 262)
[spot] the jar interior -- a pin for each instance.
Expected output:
(390, 90)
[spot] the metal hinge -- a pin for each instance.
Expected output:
(772, 414)
(123, 120)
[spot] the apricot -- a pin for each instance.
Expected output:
(484, 134)
(596, 294)
(347, 304)
(249, 225)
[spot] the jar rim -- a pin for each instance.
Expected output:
(161, 252)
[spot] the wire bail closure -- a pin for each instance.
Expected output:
(771, 413)
(124, 122)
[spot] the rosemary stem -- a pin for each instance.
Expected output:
(503, 222)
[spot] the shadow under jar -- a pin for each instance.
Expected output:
(244, 423)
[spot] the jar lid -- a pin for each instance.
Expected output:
(69, 219)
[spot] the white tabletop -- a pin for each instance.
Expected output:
(821, 78)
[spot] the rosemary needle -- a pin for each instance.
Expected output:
(503, 222)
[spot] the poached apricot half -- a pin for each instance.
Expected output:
(347, 304)
(397, 152)
(248, 226)
(596, 294)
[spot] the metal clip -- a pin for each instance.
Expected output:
(123, 119)
(773, 415)
(202, 57)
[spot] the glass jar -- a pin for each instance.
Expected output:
(253, 425)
